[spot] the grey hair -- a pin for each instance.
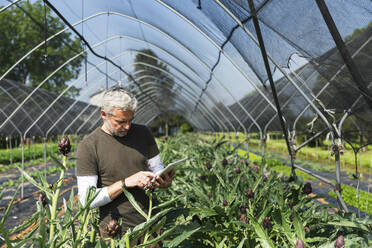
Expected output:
(118, 97)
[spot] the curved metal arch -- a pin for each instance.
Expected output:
(150, 83)
(99, 43)
(33, 100)
(211, 98)
(77, 117)
(144, 110)
(15, 100)
(156, 86)
(277, 66)
(67, 88)
(154, 116)
(328, 83)
(85, 122)
(221, 50)
(9, 5)
(77, 100)
(282, 89)
(222, 85)
(145, 23)
(94, 124)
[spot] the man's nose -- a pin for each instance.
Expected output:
(126, 126)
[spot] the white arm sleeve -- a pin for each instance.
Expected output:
(155, 164)
(84, 183)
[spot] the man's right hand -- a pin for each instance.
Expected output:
(140, 179)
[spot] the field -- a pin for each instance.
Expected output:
(218, 199)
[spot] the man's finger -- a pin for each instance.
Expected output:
(160, 180)
(171, 173)
(148, 174)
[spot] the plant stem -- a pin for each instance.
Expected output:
(148, 218)
(82, 224)
(127, 244)
(55, 202)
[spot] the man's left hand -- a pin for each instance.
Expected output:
(165, 180)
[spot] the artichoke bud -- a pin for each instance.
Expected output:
(300, 243)
(224, 161)
(208, 165)
(244, 218)
(42, 199)
(340, 242)
(112, 227)
(249, 193)
(307, 189)
(64, 145)
(243, 208)
(266, 223)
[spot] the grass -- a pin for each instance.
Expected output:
(349, 194)
(319, 156)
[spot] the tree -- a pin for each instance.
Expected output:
(150, 72)
(22, 28)
(169, 120)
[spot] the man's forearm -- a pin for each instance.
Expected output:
(115, 189)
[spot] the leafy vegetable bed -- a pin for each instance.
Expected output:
(217, 200)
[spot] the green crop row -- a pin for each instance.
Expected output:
(217, 199)
(35, 151)
(359, 199)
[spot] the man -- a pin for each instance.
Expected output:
(120, 153)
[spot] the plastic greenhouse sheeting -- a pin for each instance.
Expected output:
(206, 64)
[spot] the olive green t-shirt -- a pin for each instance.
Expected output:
(114, 158)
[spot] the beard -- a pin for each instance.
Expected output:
(120, 133)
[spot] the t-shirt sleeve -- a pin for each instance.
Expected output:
(153, 147)
(86, 160)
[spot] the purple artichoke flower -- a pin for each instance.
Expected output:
(307, 189)
(243, 208)
(196, 219)
(224, 161)
(208, 165)
(340, 242)
(244, 218)
(42, 199)
(112, 227)
(300, 243)
(225, 202)
(267, 223)
(249, 193)
(64, 146)
(264, 178)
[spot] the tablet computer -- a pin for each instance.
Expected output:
(169, 167)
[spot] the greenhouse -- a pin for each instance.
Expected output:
(263, 107)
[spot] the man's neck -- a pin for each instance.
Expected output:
(106, 130)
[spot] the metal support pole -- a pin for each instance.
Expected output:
(23, 164)
(33, 147)
(353, 69)
(45, 153)
(10, 150)
(269, 75)
(263, 147)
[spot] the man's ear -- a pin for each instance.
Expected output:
(103, 114)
